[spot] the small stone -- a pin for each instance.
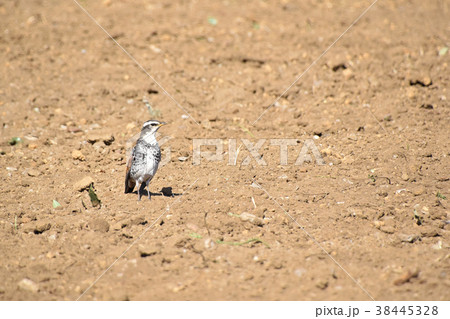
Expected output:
(83, 184)
(419, 191)
(252, 219)
(33, 172)
(347, 73)
(209, 243)
(429, 232)
(427, 81)
(36, 227)
(183, 158)
(322, 284)
(28, 285)
(405, 177)
(77, 155)
(146, 251)
(437, 246)
(427, 106)
(129, 91)
(32, 146)
(117, 226)
(387, 229)
(408, 238)
(406, 277)
(352, 137)
(42, 226)
(99, 225)
(299, 272)
(107, 139)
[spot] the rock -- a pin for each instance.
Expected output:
(129, 91)
(427, 106)
(252, 219)
(408, 238)
(427, 81)
(387, 229)
(437, 246)
(83, 183)
(347, 73)
(429, 232)
(147, 251)
(77, 155)
(209, 243)
(406, 277)
(419, 191)
(28, 285)
(32, 146)
(37, 227)
(405, 177)
(42, 226)
(139, 220)
(118, 226)
(322, 284)
(299, 272)
(302, 170)
(107, 139)
(183, 158)
(99, 224)
(33, 172)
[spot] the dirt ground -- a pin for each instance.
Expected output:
(375, 106)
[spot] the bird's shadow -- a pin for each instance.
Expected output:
(165, 191)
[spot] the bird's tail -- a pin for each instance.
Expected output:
(129, 183)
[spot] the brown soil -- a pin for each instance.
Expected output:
(377, 103)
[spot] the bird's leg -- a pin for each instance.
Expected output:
(148, 190)
(140, 190)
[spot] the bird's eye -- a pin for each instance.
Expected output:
(153, 124)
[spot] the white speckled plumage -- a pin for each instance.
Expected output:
(144, 160)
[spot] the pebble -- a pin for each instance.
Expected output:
(107, 139)
(405, 177)
(429, 232)
(33, 172)
(37, 227)
(146, 251)
(28, 285)
(99, 224)
(406, 277)
(419, 191)
(252, 219)
(347, 73)
(322, 284)
(32, 146)
(387, 229)
(77, 155)
(83, 184)
(182, 158)
(408, 238)
(426, 81)
(299, 272)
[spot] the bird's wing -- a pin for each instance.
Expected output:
(129, 182)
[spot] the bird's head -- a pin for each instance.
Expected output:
(150, 127)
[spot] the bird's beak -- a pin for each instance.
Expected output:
(162, 123)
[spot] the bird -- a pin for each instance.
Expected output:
(144, 159)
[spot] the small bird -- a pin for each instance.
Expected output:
(144, 160)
